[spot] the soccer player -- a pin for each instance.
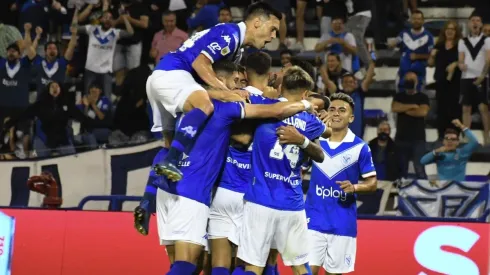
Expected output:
(331, 198)
(172, 85)
(274, 207)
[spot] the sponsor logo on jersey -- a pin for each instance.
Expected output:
(330, 193)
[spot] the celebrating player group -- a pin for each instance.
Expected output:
(227, 187)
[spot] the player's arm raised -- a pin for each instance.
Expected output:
(277, 110)
(290, 135)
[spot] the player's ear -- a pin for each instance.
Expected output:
(351, 119)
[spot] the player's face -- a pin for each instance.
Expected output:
(224, 16)
(340, 114)
(169, 22)
(451, 141)
(417, 21)
(232, 81)
(242, 81)
(264, 30)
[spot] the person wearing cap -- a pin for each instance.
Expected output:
(98, 107)
(412, 107)
(351, 87)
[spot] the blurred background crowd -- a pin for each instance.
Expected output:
(416, 100)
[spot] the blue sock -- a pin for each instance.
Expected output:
(220, 271)
(186, 133)
(239, 270)
(182, 268)
(269, 270)
(276, 269)
(308, 268)
(249, 273)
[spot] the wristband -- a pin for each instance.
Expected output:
(307, 104)
(305, 143)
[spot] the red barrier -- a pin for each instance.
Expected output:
(49, 242)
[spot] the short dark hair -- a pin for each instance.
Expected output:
(451, 131)
(259, 62)
(336, 17)
(336, 55)
(343, 97)
(225, 8)
(224, 66)
(295, 78)
(168, 12)
(475, 14)
(50, 43)
(418, 12)
(261, 9)
(286, 51)
(241, 69)
(305, 65)
(326, 100)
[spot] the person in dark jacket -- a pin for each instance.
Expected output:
(53, 112)
(384, 154)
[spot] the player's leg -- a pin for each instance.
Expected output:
(256, 235)
(318, 250)
(271, 267)
(341, 254)
(178, 92)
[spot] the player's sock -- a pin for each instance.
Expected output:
(239, 270)
(249, 273)
(308, 268)
(270, 270)
(182, 268)
(220, 271)
(186, 133)
(276, 269)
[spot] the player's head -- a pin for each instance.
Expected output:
(451, 139)
(297, 82)
(227, 72)
(106, 20)
(224, 15)
(169, 21)
(417, 20)
(262, 24)
(349, 83)
(323, 102)
(475, 23)
(258, 64)
(242, 77)
(341, 111)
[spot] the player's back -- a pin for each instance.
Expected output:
(202, 166)
(220, 41)
(328, 208)
(276, 181)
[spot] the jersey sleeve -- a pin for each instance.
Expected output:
(258, 99)
(314, 128)
(220, 43)
(230, 111)
(366, 165)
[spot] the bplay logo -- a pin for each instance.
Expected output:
(429, 253)
(330, 193)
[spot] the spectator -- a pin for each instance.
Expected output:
(169, 39)
(129, 48)
(52, 67)
(206, 16)
(340, 42)
(385, 157)
(474, 62)
(486, 30)
(102, 45)
(286, 56)
(328, 10)
(284, 8)
(444, 57)
(131, 122)
(332, 73)
(359, 12)
(53, 112)
(356, 92)
(97, 107)
(451, 161)
(8, 36)
(416, 45)
(412, 108)
(225, 15)
(242, 77)
(92, 13)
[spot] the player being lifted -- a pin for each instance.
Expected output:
(172, 85)
(274, 207)
(331, 198)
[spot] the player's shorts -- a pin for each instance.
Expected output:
(336, 254)
(472, 95)
(226, 215)
(168, 90)
(181, 219)
(263, 226)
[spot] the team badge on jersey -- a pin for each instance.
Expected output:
(225, 51)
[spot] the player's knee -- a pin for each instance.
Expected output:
(207, 107)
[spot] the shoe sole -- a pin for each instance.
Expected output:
(169, 173)
(139, 217)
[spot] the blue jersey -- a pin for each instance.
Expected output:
(219, 42)
(328, 208)
(420, 43)
(276, 168)
(202, 166)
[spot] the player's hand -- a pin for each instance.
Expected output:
(270, 92)
(242, 94)
(289, 135)
(346, 186)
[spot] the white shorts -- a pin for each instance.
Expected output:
(226, 215)
(168, 90)
(181, 219)
(263, 226)
(336, 254)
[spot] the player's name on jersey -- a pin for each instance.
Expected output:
(296, 122)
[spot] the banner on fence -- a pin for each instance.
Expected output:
(452, 199)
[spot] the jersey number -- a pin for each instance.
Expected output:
(189, 43)
(291, 152)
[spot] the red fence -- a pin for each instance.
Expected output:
(105, 243)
